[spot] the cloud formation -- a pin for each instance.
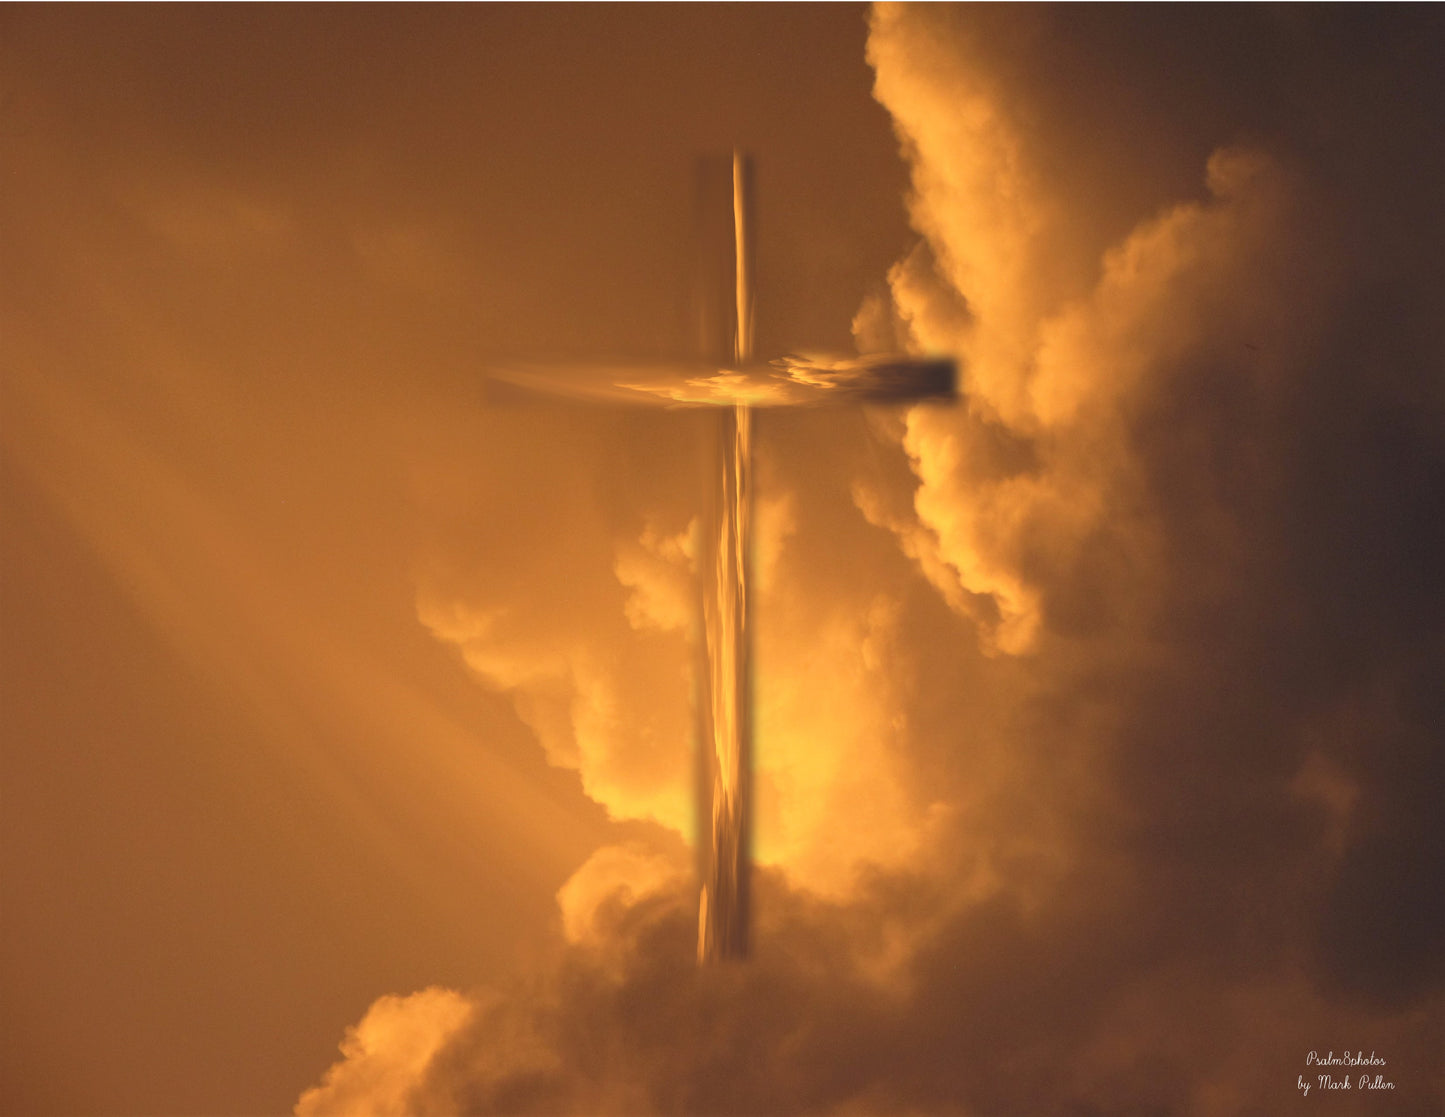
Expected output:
(1099, 719)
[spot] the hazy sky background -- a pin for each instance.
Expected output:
(253, 260)
(1099, 725)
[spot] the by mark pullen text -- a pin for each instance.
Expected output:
(1330, 1082)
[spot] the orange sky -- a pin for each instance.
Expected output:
(1098, 726)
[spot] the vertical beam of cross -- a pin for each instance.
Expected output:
(724, 803)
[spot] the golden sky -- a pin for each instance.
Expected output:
(1098, 716)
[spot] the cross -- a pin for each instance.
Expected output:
(728, 379)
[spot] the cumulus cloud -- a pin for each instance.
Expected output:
(1099, 776)
(387, 1053)
(582, 609)
(574, 606)
(612, 880)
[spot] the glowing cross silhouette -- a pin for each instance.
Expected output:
(730, 380)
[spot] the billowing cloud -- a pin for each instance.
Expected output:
(583, 623)
(387, 1053)
(1099, 729)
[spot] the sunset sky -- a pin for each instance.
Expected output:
(1100, 729)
